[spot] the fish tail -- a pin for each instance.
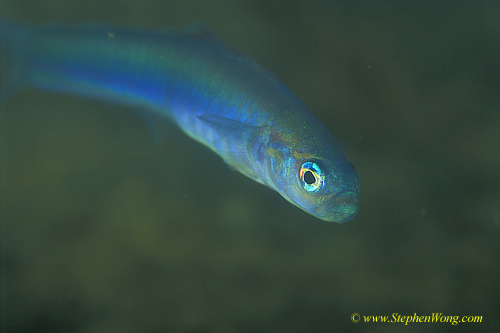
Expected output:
(12, 39)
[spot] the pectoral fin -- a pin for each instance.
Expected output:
(240, 136)
(226, 125)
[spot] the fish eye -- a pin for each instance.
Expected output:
(311, 176)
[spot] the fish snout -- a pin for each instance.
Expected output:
(341, 208)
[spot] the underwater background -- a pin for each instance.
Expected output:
(102, 230)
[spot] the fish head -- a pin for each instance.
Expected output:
(320, 181)
(329, 191)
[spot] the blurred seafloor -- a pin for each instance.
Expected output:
(104, 231)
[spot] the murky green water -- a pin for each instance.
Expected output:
(104, 231)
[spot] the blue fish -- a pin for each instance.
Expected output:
(215, 94)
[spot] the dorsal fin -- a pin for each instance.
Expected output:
(201, 30)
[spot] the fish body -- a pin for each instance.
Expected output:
(215, 94)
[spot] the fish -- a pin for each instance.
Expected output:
(212, 92)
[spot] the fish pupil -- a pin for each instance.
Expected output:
(309, 178)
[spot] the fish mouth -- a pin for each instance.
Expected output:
(342, 208)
